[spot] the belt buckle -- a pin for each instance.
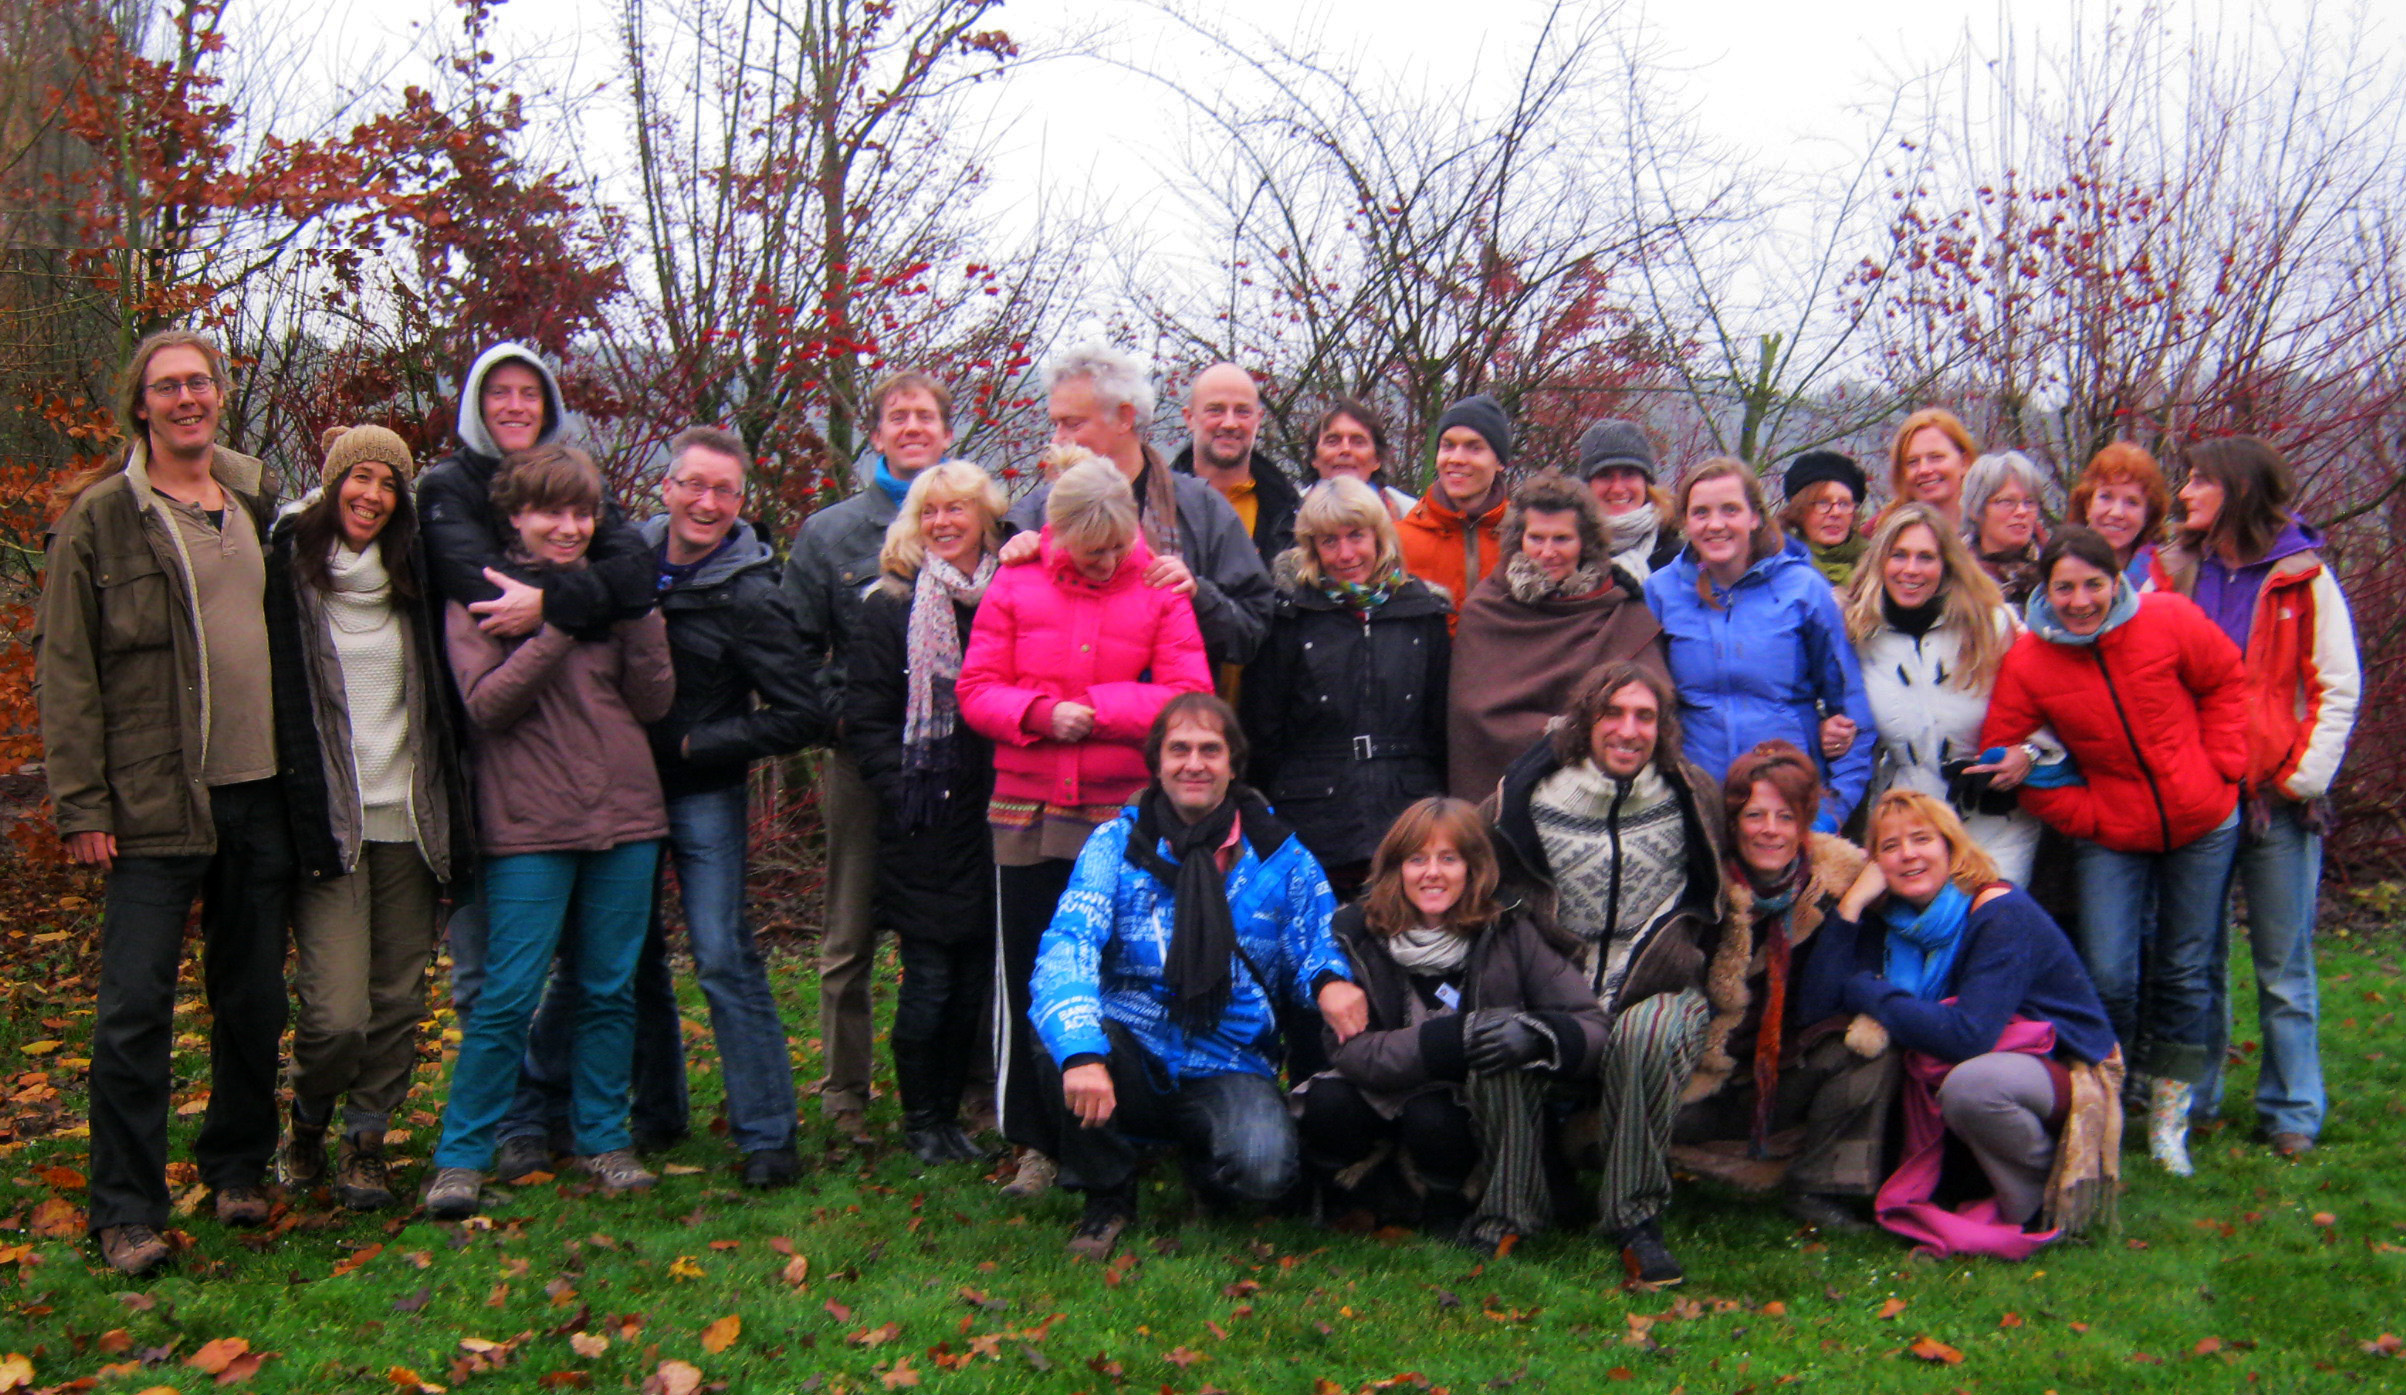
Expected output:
(1364, 748)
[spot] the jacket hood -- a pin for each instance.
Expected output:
(745, 549)
(1270, 479)
(472, 433)
(2299, 536)
(2047, 625)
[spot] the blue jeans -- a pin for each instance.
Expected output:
(1233, 1131)
(2281, 876)
(526, 901)
(707, 845)
(2167, 911)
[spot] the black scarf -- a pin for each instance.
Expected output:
(1202, 933)
(1915, 621)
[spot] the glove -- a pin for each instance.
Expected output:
(1494, 1040)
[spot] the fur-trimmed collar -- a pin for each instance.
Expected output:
(1729, 979)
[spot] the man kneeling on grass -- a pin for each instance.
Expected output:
(1189, 919)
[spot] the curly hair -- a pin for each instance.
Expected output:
(1551, 491)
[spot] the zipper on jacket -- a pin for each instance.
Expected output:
(1612, 901)
(2163, 820)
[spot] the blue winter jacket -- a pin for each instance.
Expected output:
(1103, 956)
(1765, 663)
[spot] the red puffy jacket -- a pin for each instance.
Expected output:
(2154, 713)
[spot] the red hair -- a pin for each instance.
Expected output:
(2124, 463)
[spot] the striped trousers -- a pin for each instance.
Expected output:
(1646, 1063)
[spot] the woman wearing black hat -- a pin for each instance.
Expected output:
(1825, 498)
(1617, 464)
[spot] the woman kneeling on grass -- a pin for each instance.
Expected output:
(2006, 1044)
(569, 810)
(1469, 1004)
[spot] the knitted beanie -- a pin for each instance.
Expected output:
(1823, 466)
(1615, 445)
(1484, 415)
(346, 446)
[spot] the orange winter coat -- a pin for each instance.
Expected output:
(1444, 550)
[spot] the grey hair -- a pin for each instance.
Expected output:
(1091, 504)
(1118, 377)
(1989, 474)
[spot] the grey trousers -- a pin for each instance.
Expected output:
(848, 941)
(1647, 1060)
(1999, 1104)
(362, 943)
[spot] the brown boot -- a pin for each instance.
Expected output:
(242, 1206)
(132, 1250)
(301, 1159)
(360, 1179)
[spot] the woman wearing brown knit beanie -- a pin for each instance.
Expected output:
(376, 800)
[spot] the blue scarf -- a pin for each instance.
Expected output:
(1922, 945)
(893, 487)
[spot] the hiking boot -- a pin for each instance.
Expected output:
(766, 1169)
(528, 1152)
(1034, 1177)
(132, 1250)
(1822, 1211)
(2286, 1144)
(360, 1179)
(454, 1193)
(242, 1206)
(301, 1159)
(852, 1126)
(1646, 1258)
(1098, 1231)
(617, 1171)
(2168, 1127)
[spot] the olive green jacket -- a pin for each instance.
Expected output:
(120, 665)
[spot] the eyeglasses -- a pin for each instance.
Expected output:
(1831, 506)
(168, 389)
(2015, 505)
(709, 491)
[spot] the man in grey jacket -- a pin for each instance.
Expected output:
(1099, 398)
(833, 565)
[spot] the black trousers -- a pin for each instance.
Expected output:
(937, 1017)
(1340, 1129)
(1025, 898)
(245, 891)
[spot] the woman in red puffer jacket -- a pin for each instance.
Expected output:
(2150, 698)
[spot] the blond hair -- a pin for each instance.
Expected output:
(1091, 505)
(1329, 508)
(1970, 596)
(905, 549)
(1969, 866)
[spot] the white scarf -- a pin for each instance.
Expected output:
(1428, 951)
(359, 591)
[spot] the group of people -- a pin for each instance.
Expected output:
(1374, 854)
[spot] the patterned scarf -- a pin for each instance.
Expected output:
(1362, 597)
(931, 712)
(1773, 912)
(1922, 944)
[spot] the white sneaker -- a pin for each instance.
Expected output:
(2168, 1127)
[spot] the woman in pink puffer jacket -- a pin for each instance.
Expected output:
(1070, 659)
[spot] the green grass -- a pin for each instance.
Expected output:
(2255, 1275)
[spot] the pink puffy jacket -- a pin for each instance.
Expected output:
(1046, 635)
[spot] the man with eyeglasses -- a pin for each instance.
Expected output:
(159, 743)
(733, 638)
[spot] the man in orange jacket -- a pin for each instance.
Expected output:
(1449, 536)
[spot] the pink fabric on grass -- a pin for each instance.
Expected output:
(1904, 1205)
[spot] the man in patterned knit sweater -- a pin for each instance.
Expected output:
(1607, 828)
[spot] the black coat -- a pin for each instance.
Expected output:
(463, 537)
(1347, 716)
(933, 882)
(1511, 965)
(1275, 501)
(731, 635)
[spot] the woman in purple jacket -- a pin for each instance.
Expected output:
(568, 811)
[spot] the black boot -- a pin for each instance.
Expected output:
(930, 1138)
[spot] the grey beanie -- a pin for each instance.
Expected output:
(1614, 444)
(1484, 415)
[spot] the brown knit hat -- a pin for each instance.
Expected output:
(346, 446)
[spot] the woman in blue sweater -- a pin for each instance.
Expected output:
(2001, 1027)
(1759, 650)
